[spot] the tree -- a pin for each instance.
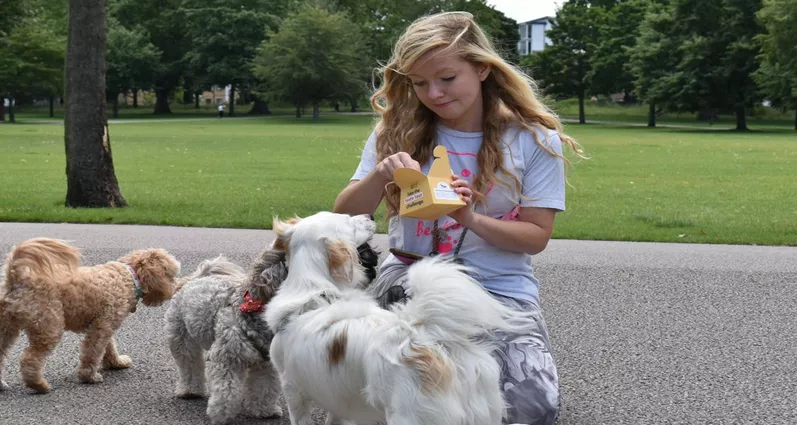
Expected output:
(715, 57)
(315, 56)
(502, 29)
(165, 23)
(31, 56)
(225, 36)
(132, 62)
(91, 180)
(508, 42)
(777, 75)
(562, 69)
(617, 34)
(651, 59)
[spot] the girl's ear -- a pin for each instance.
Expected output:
(483, 71)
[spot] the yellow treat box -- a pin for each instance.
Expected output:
(431, 196)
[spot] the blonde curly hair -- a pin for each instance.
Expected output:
(509, 96)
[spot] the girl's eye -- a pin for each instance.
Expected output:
(418, 83)
(449, 79)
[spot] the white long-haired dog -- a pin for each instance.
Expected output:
(426, 362)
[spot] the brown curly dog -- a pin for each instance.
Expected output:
(47, 292)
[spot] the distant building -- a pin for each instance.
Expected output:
(216, 95)
(532, 35)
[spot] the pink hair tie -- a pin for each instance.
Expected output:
(511, 215)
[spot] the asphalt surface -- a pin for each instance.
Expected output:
(643, 333)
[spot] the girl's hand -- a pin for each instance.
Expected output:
(388, 166)
(465, 214)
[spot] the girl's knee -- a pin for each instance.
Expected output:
(533, 402)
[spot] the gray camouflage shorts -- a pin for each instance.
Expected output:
(529, 378)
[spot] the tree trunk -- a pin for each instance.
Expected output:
(116, 106)
(741, 118)
(316, 112)
(187, 97)
(52, 106)
(354, 106)
(795, 119)
(135, 98)
(298, 112)
(2, 109)
(162, 101)
(652, 115)
(196, 99)
(11, 116)
(259, 107)
(232, 99)
(90, 176)
(581, 116)
(337, 106)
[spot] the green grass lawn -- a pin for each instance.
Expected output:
(640, 184)
(764, 118)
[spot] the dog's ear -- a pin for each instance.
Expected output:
(342, 260)
(284, 230)
(267, 274)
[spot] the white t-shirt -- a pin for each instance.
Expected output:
(542, 177)
(221, 108)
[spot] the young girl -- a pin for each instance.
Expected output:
(446, 85)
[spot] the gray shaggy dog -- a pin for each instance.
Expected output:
(218, 310)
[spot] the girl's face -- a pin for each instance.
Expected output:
(451, 88)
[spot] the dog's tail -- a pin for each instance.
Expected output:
(218, 266)
(452, 307)
(40, 260)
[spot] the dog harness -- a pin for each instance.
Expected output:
(136, 281)
(251, 305)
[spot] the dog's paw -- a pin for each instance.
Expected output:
(188, 394)
(220, 416)
(121, 362)
(188, 391)
(274, 411)
(40, 387)
(89, 376)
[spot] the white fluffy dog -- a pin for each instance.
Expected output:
(426, 362)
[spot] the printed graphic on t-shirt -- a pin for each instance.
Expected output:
(450, 229)
(451, 233)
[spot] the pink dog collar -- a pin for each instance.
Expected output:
(136, 281)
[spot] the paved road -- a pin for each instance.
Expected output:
(643, 333)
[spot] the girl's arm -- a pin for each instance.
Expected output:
(363, 196)
(530, 233)
(543, 181)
